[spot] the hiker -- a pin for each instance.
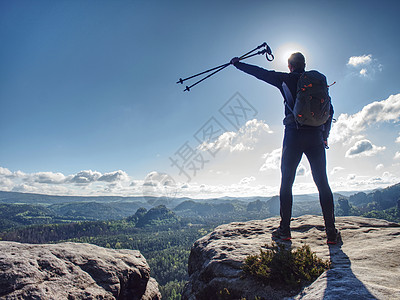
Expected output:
(298, 139)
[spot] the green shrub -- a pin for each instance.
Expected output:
(279, 266)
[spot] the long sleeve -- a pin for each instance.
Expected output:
(283, 81)
(271, 77)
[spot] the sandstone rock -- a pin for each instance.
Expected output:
(365, 266)
(73, 271)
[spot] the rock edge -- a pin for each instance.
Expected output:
(73, 271)
(365, 266)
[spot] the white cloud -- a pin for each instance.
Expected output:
(358, 183)
(158, 184)
(114, 176)
(301, 170)
(85, 177)
(379, 167)
(85, 182)
(349, 126)
(46, 177)
(363, 148)
(242, 140)
(272, 160)
(336, 170)
(398, 139)
(155, 178)
(5, 172)
(351, 177)
(247, 180)
(365, 65)
(6, 184)
(360, 60)
(25, 188)
(363, 72)
(397, 155)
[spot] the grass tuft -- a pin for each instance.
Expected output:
(279, 266)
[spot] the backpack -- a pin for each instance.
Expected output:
(313, 103)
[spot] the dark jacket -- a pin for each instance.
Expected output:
(285, 82)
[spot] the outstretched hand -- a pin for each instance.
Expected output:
(234, 60)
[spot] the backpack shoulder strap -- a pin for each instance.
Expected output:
(289, 101)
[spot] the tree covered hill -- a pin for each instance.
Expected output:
(383, 199)
(20, 209)
(29, 198)
(164, 235)
(156, 217)
(94, 210)
(15, 215)
(380, 204)
(160, 235)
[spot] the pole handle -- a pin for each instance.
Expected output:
(269, 52)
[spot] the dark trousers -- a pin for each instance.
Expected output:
(310, 142)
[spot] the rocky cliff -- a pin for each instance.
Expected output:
(365, 266)
(73, 271)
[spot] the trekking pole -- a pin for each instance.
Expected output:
(267, 51)
(245, 56)
(209, 75)
(212, 69)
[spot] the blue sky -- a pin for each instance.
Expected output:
(89, 103)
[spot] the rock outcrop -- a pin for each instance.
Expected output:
(73, 271)
(365, 266)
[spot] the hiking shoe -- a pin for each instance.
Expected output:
(333, 236)
(284, 235)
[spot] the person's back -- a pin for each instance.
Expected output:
(298, 139)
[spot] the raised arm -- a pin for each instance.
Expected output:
(271, 77)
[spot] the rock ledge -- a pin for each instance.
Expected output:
(73, 271)
(365, 266)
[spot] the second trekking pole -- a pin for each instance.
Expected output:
(267, 51)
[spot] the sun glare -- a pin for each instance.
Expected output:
(283, 52)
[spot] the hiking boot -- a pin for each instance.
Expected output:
(333, 236)
(284, 235)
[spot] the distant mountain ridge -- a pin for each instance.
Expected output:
(20, 209)
(384, 199)
(31, 198)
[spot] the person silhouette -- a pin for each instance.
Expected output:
(298, 139)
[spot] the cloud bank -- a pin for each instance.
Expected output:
(348, 127)
(58, 183)
(249, 157)
(242, 140)
(272, 160)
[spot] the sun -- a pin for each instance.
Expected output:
(283, 52)
(286, 54)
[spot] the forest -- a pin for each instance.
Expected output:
(164, 235)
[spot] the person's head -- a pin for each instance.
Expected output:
(296, 62)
